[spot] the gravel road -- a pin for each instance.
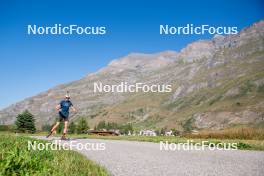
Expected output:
(130, 158)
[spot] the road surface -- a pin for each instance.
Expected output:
(131, 158)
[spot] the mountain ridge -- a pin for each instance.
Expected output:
(195, 72)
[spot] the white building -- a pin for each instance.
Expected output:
(147, 133)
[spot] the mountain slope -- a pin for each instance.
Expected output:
(216, 83)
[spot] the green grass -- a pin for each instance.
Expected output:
(16, 159)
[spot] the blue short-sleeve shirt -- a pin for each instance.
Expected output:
(65, 107)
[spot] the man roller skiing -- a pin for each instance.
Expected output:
(63, 109)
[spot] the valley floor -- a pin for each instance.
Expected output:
(243, 144)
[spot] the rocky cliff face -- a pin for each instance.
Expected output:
(216, 83)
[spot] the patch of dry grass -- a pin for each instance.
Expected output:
(234, 133)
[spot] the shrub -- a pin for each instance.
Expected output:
(72, 128)
(82, 126)
(25, 122)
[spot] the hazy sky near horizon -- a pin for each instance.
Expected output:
(32, 64)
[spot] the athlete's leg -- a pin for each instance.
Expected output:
(65, 126)
(63, 137)
(55, 126)
(53, 129)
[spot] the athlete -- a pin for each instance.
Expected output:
(63, 109)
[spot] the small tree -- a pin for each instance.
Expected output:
(101, 125)
(111, 126)
(162, 131)
(157, 132)
(175, 132)
(72, 128)
(82, 126)
(25, 122)
(125, 129)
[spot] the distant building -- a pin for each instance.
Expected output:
(194, 132)
(169, 133)
(115, 130)
(147, 133)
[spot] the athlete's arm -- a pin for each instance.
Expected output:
(58, 107)
(73, 109)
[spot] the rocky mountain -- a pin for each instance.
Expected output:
(216, 84)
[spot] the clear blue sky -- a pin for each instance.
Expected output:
(32, 64)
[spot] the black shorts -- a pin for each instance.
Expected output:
(63, 118)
